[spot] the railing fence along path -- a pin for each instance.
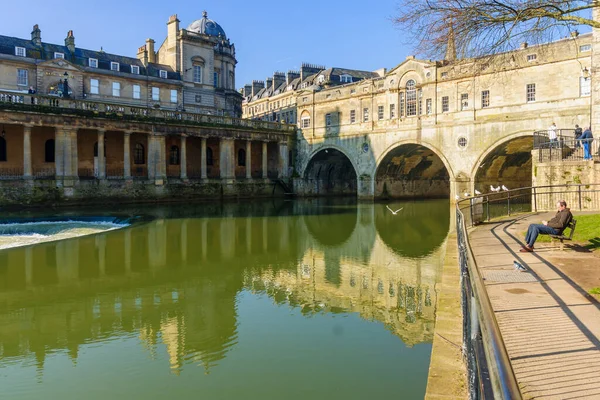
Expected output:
(566, 147)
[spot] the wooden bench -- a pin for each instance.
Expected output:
(563, 237)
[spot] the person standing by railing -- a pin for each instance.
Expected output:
(552, 135)
(586, 140)
(578, 133)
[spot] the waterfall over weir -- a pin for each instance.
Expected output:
(24, 232)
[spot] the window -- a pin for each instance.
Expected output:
(59, 55)
(328, 119)
(445, 104)
(173, 96)
(155, 94)
(379, 112)
(198, 98)
(444, 74)
(22, 77)
(209, 156)
(20, 51)
(428, 106)
(464, 101)
(137, 92)
(93, 62)
(116, 89)
(49, 151)
(411, 98)
(321, 78)
(114, 66)
(352, 116)
(197, 74)
(346, 78)
(585, 47)
(304, 99)
(162, 74)
(2, 149)
(584, 86)
(402, 104)
(139, 156)
(531, 57)
(392, 111)
(462, 142)
(485, 98)
(174, 155)
(216, 79)
(305, 120)
(530, 92)
(420, 97)
(365, 114)
(135, 70)
(352, 91)
(94, 86)
(241, 161)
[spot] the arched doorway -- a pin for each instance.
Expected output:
(412, 171)
(507, 164)
(330, 173)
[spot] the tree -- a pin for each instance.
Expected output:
(473, 28)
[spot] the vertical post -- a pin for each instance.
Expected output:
(579, 193)
(226, 158)
(534, 200)
(283, 160)
(101, 159)
(127, 155)
(508, 202)
(151, 157)
(183, 158)
(249, 159)
(265, 160)
(59, 152)
(203, 173)
(27, 169)
(488, 207)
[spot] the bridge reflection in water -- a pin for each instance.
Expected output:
(175, 283)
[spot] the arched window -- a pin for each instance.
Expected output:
(49, 151)
(2, 149)
(174, 155)
(305, 120)
(209, 156)
(241, 158)
(139, 156)
(411, 98)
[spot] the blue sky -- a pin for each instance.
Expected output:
(269, 35)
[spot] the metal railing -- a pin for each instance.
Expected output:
(566, 147)
(489, 371)
(42, 103)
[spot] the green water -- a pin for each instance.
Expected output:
(274, 300)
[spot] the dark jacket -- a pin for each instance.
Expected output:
(587, 134)
(578, 132)
(561, 220)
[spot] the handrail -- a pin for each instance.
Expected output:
(36, 102)
(501, 382)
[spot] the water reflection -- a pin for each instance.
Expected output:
(175, 283)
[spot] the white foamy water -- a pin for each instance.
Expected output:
(28, 233)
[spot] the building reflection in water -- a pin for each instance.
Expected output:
(175, 281)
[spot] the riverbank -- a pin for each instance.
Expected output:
(447, 374)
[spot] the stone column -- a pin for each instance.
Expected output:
(283, 160)
(203, 173)
(226, 159)
(156, 159)
(127, 155)
(265, 160)
(183, 158)
(101, 159)
(249, 159)
(59, 151)
(27, 168)
(65, 155)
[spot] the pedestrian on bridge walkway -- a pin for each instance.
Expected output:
(586, 139)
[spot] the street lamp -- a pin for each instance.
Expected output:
(66, 85)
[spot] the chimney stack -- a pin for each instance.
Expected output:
(70, 41)
(257, 86)
(310, 69)
(524, 45)
(150, 50)
(142, 55)
(247, 90)
(36, 35)
(269, 83)
(291, 75)
(278, 80)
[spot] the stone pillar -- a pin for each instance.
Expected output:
(249, 159)
(65, 155)
(183, 158)
(226, 159)
(27, 168)
(283, 160)
(203, 173)
(59, 151)
(265, 160)
(156, 159)
(101, 159)
(127, 155)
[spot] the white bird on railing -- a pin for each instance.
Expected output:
(493, 189)
(519, 266)
(394, 212)
(457, 197)
(467, 194)
(505, 188)
(477, 192)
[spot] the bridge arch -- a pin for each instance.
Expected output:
(330, 171)
(407, 169)
(505, 162)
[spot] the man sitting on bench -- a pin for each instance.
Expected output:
(555, 226)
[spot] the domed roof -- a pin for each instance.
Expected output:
(207, 26)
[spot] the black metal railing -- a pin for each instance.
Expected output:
(565, 147)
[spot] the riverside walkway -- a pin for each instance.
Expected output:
(550, 326)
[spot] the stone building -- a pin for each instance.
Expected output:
(192, 70)
(433, 128)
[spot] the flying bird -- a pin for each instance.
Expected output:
(493, 189)
(394, 212)
(505, 188)
(519, 266)
(477, 192)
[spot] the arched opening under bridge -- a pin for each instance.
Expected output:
(330, 173)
